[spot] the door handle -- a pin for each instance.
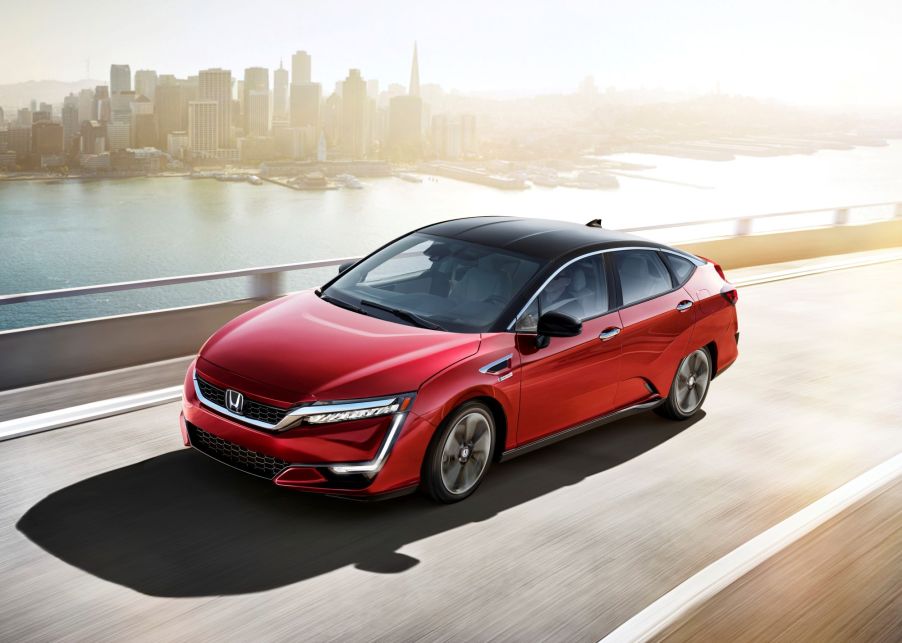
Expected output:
(609, 333)
(684, 305)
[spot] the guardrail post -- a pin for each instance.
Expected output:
(841, 216)
(743, 226)
(266, 285)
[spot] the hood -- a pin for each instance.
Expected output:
(300, 348)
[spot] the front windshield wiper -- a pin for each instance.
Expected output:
(342, 304)
(415, 319)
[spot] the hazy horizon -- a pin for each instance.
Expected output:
(807, 54)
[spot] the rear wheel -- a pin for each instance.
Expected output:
(690, 386)
(460, 453)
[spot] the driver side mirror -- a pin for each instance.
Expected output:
(555, 324)
(345, 266)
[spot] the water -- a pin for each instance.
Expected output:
(72, 233)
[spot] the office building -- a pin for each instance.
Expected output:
(177, 144)
(300, 68)
(353, 132)
(120, 79)
(93, 137)
(405, 135)
(146, 82)
(70, 120)
(17, 140)
(41, 115)
(47, 139)
(280, 94)
(214, 85)
(119, 135)
(257, 107)
(203, 125)
(23, 118)
(102, 102)
(170, 106)
(305, 105)
(256, 81)
(87, 108)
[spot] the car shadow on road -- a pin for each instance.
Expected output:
(180, 524)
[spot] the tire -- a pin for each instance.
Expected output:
(460, 453)
(690, 386)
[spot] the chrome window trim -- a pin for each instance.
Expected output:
(513, 323)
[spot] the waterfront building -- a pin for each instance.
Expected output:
(405, 114)
(139, 160)
(177, 144)
(144, 131)
(170, 107)
(17, 140)
(258, 113)
(87, 107)
(280, 94)
(146, 82)
(120, 79)
(70, 120)
(454, 137)
(295, 142)
(47, 139)
(300, 68)
(215, 85)
(353, 131)
(119, 134)
(203, 126)
(305, 105)
(93, 137)
(95, 162)
(7, 159)
(256, 81)
(254, 149)
(468, 142)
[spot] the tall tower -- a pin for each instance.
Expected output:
(353, 134)
(414, 88)
(120, 79)
(256, 80)
(280, 93)
(300, 68)
(216, 85)
(203, 125)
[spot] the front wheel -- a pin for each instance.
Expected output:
(690, 386)
(459, 455)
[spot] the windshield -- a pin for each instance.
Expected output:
(434, 282)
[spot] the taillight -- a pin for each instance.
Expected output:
(716, 267)
(730, 294)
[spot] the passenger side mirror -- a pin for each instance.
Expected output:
(345, 266)
(554, 324)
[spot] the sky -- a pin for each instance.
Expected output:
(809, 52)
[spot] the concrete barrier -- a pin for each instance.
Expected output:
(60, 351)
(795, 245)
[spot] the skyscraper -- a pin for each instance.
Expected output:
(203, 126)
(256, 81)
(280, 94)
(70, 120)
(257, 107)
(47, 138)
(170, 105)
(215, 85)
(120, 78)
(102, 102)
(87, 108)
(146, 82)
(353, 135)
(300, 68)
(414, 88)
(305, 105)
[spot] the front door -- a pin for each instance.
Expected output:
(573, 379)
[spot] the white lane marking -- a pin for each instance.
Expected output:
(19, 427)
(667, 610)
(86, 412)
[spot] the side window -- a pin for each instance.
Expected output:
(681, 267)
(642, 275)
(579, 290)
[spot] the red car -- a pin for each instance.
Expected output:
(462, 343)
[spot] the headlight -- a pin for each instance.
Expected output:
(329, 412)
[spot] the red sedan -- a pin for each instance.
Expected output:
(460, 344)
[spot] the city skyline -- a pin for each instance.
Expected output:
(803, 54)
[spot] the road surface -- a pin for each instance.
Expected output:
(109, 530)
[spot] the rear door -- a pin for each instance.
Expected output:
(657, 315)
(573, 379)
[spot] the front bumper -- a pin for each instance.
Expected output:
(357, 458)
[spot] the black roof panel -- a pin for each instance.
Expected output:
(542, 238)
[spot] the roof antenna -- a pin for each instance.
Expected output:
(594, 223)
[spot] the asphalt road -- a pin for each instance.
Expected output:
(109, 530)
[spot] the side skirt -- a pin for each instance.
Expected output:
(581, 428)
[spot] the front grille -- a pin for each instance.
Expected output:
(258, 464)
(253, 410)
